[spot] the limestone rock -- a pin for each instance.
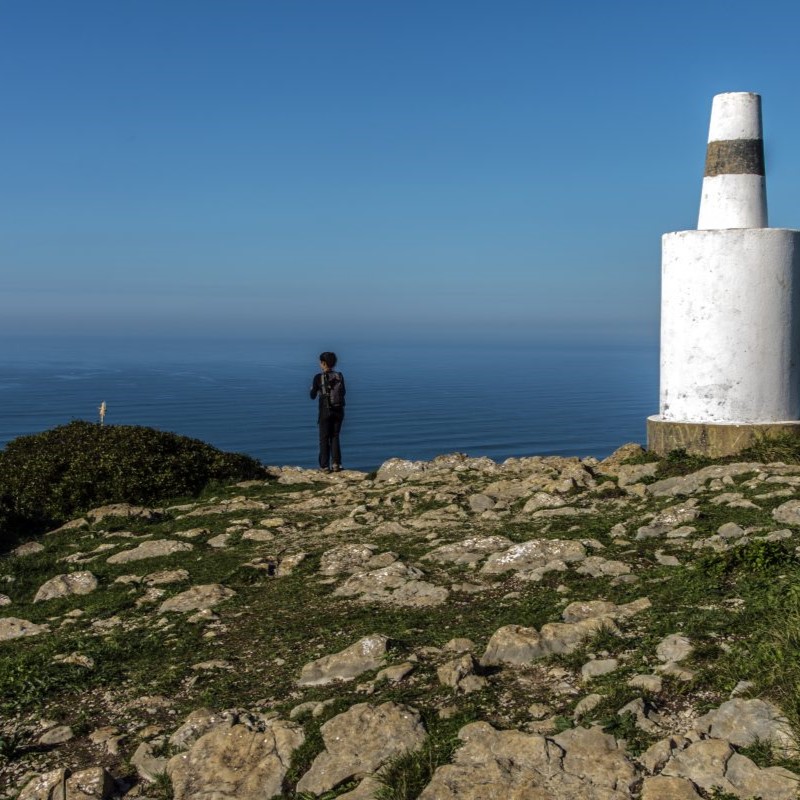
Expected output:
(155, 548)
(27, 549)
(542, 500)
(460, 674)
(742, 722)
(713, 764)
(42, 787)
(365, 655)
(517, 645)
(359, 741)
(534, 554)
(674, 648)
(148, 766)
(346, 558)
(598, 567)
(659, 787)
(788, 513)
(397, 583)
(197, 598)
(14, 628)
(598, 609)
(669, 518)
(598, 667)
(579, 763)
(469, 551)
(399, 469)
(165, 577)
(123, 510)
(197, 724)
(66, 585)
(236, 762)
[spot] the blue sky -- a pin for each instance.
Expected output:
(442, 169)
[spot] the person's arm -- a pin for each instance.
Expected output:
(315, 387)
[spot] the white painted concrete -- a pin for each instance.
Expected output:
(730, 326)
(735, 115)
(733, 201)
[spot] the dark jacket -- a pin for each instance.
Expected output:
(335, 386)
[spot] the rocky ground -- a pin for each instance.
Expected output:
(542, 628)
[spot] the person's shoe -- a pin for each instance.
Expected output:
(337, 468)
(326, 470)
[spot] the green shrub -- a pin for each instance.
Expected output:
(48, 478)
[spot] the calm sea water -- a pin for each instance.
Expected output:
(411, 401)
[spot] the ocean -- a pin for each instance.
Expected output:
(408, 400)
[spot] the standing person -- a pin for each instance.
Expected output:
(329, 386)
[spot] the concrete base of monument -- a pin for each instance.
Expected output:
(711, 439)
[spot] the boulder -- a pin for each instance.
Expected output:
(156, 548)
(66, 585)
(236, 763)
(197, 598)
(14, 628)
(365, 655)
(534, 554)
(360, 741)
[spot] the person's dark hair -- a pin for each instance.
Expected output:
(328, 358)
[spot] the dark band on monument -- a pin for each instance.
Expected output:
(735, 157)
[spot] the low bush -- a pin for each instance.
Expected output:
(49, 478)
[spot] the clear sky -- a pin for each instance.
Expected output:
(444, 168)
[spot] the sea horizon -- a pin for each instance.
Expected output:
(406, 399)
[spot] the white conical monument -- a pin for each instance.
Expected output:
(730, 303)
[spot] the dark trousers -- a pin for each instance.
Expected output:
(329, 426)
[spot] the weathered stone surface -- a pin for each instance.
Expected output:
(90, 784)
(628, 474)
(365, 655)
(460, 674)
(674, 648)
(5, 600)
(148, 766)
(542, 500)
(397, 583)
(580, 763)
(518, 645)
(599, 567)
(695, 481)
(659, 787)
(155, 548)
(57, 735)
(399, 469)
(743, 722)
(42, 786)
(66, 585)
(669, 518)
(13, 628)
(359, 741)
(469, 551)
(481, 502)
(788, 513)
(122, 510)
(534, 554)
(27, 549)
(165, 577)
(346, 558)
(597, 609)
(713, 764)
(598, 667)
(197, 724)
(236, 762)
(197, 598)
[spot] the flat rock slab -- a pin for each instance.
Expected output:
(517, 645)
(714, 764)
(469, 551)
(360, 741)
(396, 584)
(66, 585)
(365, 655)
(156, 548)
(197, 598)
(346, 558)
(579, 763)
(27, 549)
(533, 555)
(14, 628)
(788, 513)
(743, 722)
(123, 510)
(236, 762)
